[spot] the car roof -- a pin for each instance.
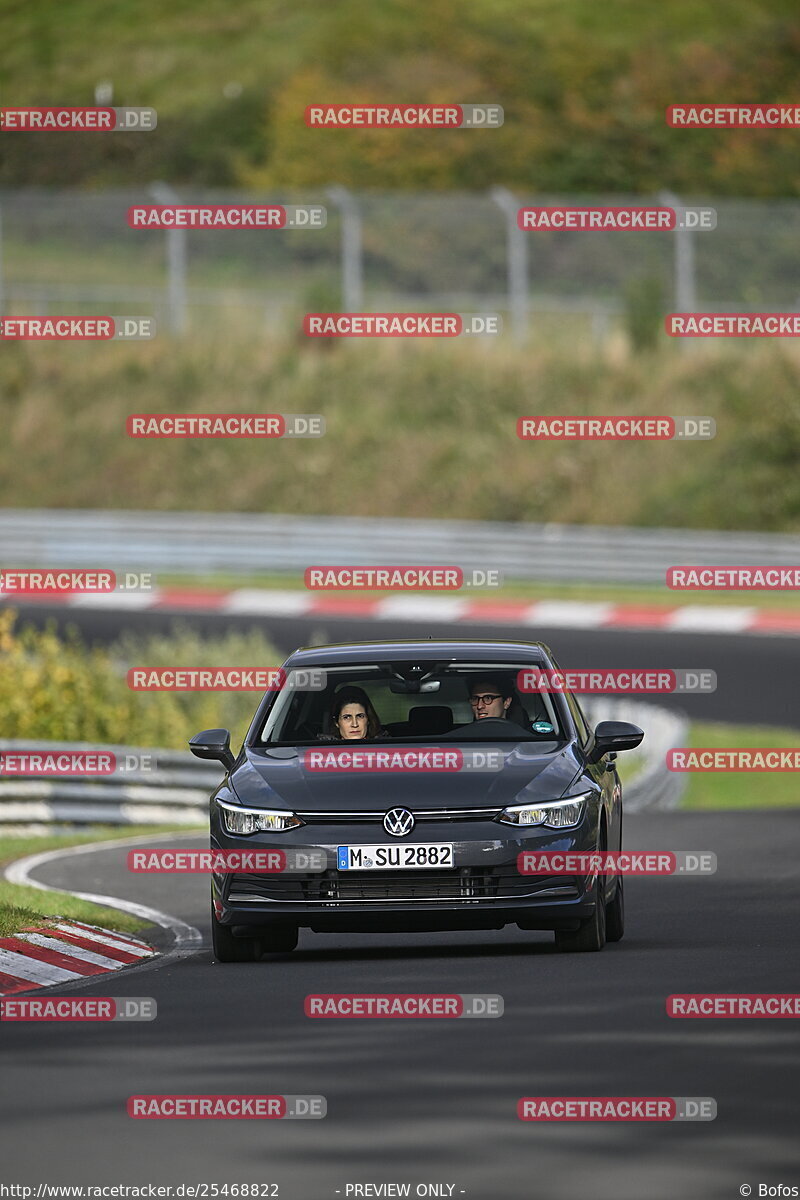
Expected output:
(457, 650)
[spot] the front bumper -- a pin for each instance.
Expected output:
(484, 890)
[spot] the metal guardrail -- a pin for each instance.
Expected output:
(240, 543)
(177, 792)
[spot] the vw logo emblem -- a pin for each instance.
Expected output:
(398, 822)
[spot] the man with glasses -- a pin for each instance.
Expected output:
(490, 698)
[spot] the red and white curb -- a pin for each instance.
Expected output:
(544, 614)
(44, 955)
(86, 950)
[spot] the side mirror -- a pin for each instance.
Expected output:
(213, 744)
(613, 736)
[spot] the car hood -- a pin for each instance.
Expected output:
(528, 774)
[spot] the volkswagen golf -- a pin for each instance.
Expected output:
(399, 785)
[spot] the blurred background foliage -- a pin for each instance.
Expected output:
(584, 87)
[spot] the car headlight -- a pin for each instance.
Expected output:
(560, 814)
(256, 820)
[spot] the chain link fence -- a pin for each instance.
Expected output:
(73, 252)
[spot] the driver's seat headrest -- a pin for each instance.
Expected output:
(430, 719)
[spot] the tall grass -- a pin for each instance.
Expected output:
(413, 430)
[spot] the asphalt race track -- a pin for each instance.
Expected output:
(434, 1102)
(425, 1101)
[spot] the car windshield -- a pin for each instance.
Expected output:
(409, 701)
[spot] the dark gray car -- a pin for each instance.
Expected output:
(421, 825)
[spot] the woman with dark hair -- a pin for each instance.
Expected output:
(354, 717)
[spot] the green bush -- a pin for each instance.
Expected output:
(59, 689)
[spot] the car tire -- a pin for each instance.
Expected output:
(227, 948)
(592, 932)
(615, 915)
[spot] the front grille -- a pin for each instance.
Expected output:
(468, 884)
(422, 814)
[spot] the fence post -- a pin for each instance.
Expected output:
(517, 263)
(352, 257)
(176, 262)
(685, 280)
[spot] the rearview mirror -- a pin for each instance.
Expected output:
(614, 735)
(213, 744)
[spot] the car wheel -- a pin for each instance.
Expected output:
(228, 948)
(615, 915)
(592, 932)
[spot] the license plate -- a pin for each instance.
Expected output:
(395, 858)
